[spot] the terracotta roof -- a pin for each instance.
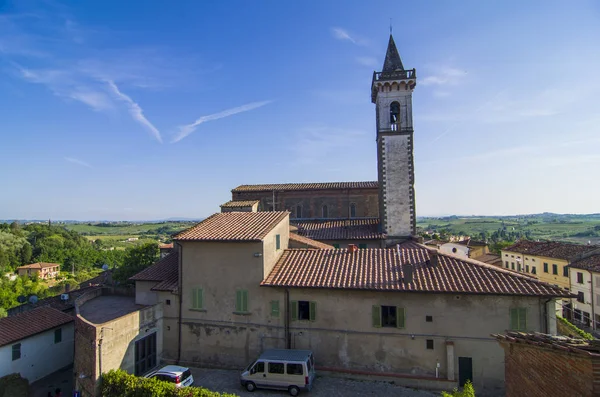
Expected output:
(341, 229)
(165, 272)
(239, 203)
(32, 322)
(55, 302)
(550, 249)
(309, 243)
(39, 265)
(306, 186)
(382, 269)
(492, 259)
(233, 226)
(592, 263)
(166, 246)
(551, 342)
(472, 243)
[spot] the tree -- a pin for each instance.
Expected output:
(467, 391)
(137, 259)
(4, 261)
(26, 252)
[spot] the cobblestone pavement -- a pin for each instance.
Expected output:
(228, 381)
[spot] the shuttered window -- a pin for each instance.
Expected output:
(303, 310)
(275, 308)
(58, 335)
(388, 316)
(518, 319)
(277, 242)
(197, 298)
(241, 301)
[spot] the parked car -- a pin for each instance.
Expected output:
(180, 376)
(285, 369)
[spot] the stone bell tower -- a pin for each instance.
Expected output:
(391, 92)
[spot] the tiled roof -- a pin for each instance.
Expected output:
(233, 226)
(341, 229)
(165, 272)
(592, 263)
(239, 203)
(32, 322)
(39, 265)
(492, 259)
(306, 186)
(550, 249)
(382, 269)
(166, 246)
(552, 342)
(309, 243)
(472, 243)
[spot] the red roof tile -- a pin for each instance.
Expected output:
(341, 229)
(233, 226)
(381, 269)
(29, 323)
(165, 272)
(239, 203)
(306, 186)
(166, 246)
(309, 243)
(39, 265)
(591, 263)
(550, 249)
(551, 342)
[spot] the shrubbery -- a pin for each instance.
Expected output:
(467, 391)
(121, 384)
(574, 329)
(14, 386)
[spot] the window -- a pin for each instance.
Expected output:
(519, 267)
(506, 264)
(16, 351)
(527, 268)
(518, 319)
(145, 354)
(168, 302)
(577, 315)
(388, 316)
(533, 270)
(581, 297)
(554, 268)
(259, 367)
(579, 278)
(566, 272)
(429, 344)
(512, 256)
(512, 265)
(303, 310)
(277, 241)
(505, 254)
(274, 308)
(429, 319)
(276, 368)
(298, 211)
(58, 335)
(394, 115)
(362, 246)
(533, 259)
(545, 267)
(241, 301)
(325, 212)
(197, 299)
(352, 210)
(294, 369)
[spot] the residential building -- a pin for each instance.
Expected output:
(539, 365)
(41, 269)
(491, 259)
(465, 248)
(585, 283)
(165, 249)
(36, 343)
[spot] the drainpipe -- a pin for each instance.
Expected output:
(288, 342)
(180, 286)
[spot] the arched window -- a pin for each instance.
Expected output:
(298, 211)
(394, 116)
(325, 211)
(352, 210)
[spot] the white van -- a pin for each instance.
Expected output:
(291, 370)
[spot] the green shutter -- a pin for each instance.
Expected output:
(277, 241)
(244, 300)
(400, 317)
(238, 301)
(194, 297)
(313, 311)
(275, 308)
(376, 311)
(514, 319)
(200, 298)
(522, 319)
(294, 310)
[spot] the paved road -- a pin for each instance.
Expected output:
(228, 381)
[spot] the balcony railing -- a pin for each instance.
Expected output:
(397, 75)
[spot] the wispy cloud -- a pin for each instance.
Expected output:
(187, 129)
(343, 35)
(135, 110)
(445, 76)
(78, 162)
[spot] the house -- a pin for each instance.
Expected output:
(41, 269)
(165, 249)
(36, 343)
(240, 206)
(237, 288)
(491, 259)
(538, 365)
(465, 248)
(585, 283)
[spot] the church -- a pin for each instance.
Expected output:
(369, 214)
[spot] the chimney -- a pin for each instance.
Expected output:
(433, 258)
(352, 248)
(407, 273)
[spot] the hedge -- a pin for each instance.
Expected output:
(467, 391)
(14, 385)
(575, 329)
(121, 384)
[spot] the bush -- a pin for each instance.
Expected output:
(467, 391)
(574, 329)
(14, 386)
(121, 384)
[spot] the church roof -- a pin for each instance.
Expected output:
(306, 186)
(340, 229)
(392, 58)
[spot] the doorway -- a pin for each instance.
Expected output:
(465, 370)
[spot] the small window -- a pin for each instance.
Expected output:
(527, 268)
(555, 269)
(506, 264)
(295, 369)
(259, 367)
(277, 241)
(454, 250)
(16, 351)
(429, 319)
(533, 259)
(168, 302)
(518, 319)
(512, 265)
(581, 297)
(545, 267)
(388, 316)
(394, 115)
(276, 368)
(579, 278)
(58, 335)
(274, 308)
(303, 310)
(241, 301)
(298, 211)
(533, 270)
(512, 256)
(197, 298)
(325, 212)
(429, 344)
(565, 271)
(352, 210)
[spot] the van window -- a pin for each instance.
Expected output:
(309, 363)
(258, 367)
(276, 368)
(295, 369)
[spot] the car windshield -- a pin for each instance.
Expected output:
(186, 375)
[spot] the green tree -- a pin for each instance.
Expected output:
(467, 391)
(26, 253)
(4, 261)
(137, 259)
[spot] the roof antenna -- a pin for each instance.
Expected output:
(390, 26)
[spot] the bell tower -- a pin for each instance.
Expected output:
(391, 92)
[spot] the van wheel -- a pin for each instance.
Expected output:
(294, 391)
(250, 386)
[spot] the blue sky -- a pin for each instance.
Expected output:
(114, 110)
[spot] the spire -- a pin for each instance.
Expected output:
(392, 58)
